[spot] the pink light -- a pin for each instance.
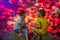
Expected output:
(38, 0)
(20, 1)
(12, 1)
(10, 18)
(20, 9)
(3, 17)
(5, 30)
(30, 1)
(8, 14)
(24, 5)
(1, 0)
(3, 13)
(10, 10)
(2, 6)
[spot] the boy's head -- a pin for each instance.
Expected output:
(22, 13)
(58, 12)
(41, 12)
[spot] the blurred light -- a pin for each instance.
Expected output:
(38, 1)
(8, 14)
(3, 17)
(24, 5)
(12, 1)
(3, 13)
(36, 4)
(32, 1)
(10, 18)
(2, 6)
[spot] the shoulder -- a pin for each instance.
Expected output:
(43, 20)
(36, 19)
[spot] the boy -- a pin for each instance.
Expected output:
(20, 27)
(40, 26)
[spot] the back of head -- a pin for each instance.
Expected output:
(42, 12)
(58, 12)
(22, 12)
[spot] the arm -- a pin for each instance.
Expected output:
(17, 26)
(37, 25)
(43, 28)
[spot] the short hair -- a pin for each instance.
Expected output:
(58, 12)
(21, 12)
(42, 12)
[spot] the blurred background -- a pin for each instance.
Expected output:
(9, 14)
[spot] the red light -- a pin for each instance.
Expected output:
(24, 5)
(12, 1)
(38, 0)
(10, 18)
(20, 9)
(30, 0)
(3, 17)
(8, 14)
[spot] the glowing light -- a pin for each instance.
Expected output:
(1, 0)
(20, 2)
(2, 6)
(30, 0)
(36, 4)
(10, 18)
(3, 13)
(8, 14)
(38, 0)
(3, 17)
(20, 9)
(24, 5)
(12, 1)
(10, 10)
(9, 22)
